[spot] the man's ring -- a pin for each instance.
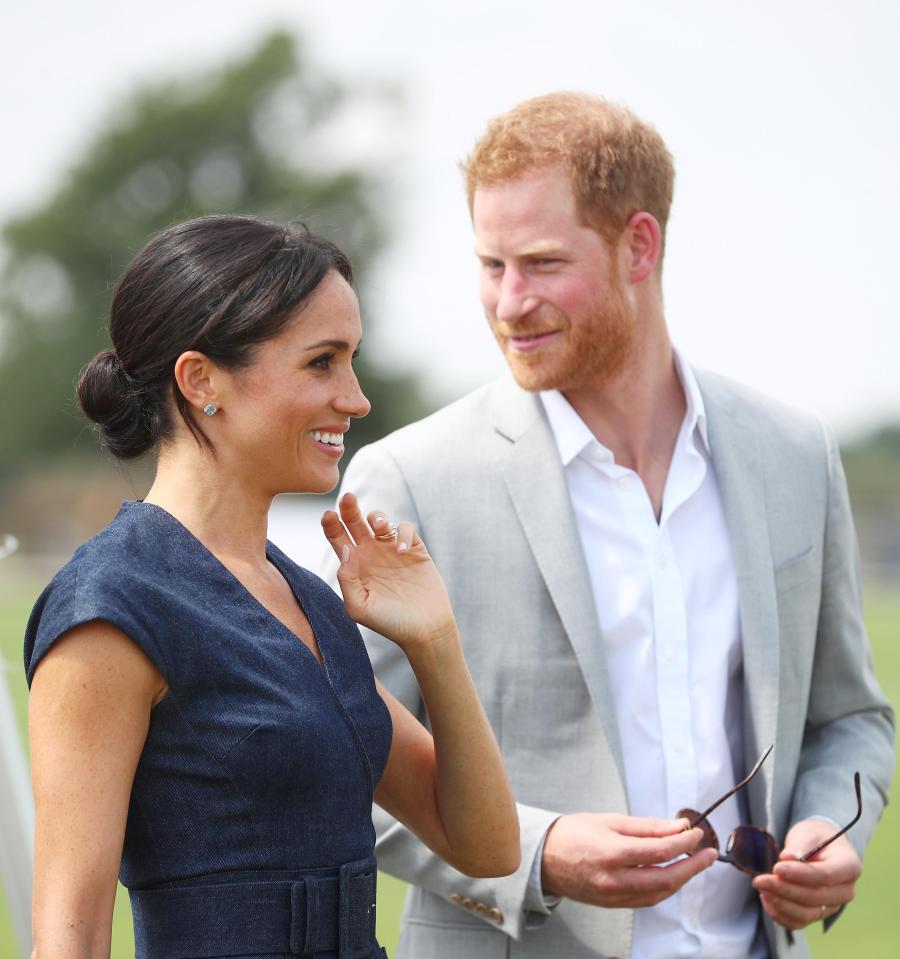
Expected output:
(823, 909)
(387, 534)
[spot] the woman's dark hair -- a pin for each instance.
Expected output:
(217, 284)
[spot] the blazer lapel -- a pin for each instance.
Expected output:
(537, 487)
(737, 458)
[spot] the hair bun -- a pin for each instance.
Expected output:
(111, 399)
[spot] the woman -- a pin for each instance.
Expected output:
(203, 715)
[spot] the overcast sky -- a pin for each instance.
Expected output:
(783, 118)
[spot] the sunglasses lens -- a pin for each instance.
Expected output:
(752, 850)
(710, 840)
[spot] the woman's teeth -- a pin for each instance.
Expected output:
(334, 439)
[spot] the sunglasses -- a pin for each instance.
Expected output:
(749, 848)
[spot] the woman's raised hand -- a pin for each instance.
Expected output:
(387, 578)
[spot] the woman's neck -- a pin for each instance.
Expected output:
(219, 507)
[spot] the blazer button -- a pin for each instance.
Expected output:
(481, 909)
(456, 899)
(468, 904)
(496, 915)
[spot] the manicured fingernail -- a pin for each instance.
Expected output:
(402, 547)
(378, 521)
(345, 555)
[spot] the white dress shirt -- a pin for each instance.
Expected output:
(667, 602)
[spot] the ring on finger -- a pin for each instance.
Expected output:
(386, 535)
(822, 910)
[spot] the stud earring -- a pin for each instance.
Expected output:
(210, 409)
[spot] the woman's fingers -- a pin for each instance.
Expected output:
(352, 528)
(381, 527)
(348, 571)
(406, 536)
(353, 518)
(336, 534)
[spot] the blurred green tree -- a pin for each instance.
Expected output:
(248, 138)
(872, 464)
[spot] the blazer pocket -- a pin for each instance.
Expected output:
(796, 571)
(450, 940)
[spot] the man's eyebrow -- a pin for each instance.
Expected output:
(539, 249)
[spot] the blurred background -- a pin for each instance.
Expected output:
(119, 119)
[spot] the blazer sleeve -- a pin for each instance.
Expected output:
(849, 723)
(377, 479)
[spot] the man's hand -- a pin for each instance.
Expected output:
(605, 859)
(794, 894)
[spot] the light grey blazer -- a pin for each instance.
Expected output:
(483, 482)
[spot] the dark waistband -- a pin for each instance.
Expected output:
(312, 912)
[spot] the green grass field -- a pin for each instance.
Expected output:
(871, 926)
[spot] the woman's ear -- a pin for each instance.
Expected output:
(196, 376)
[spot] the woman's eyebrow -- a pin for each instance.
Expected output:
(334, 344)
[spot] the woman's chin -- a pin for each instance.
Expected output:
(317, 485)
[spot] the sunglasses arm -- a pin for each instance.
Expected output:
(739, 786)
(841, 832)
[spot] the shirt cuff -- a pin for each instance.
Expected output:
(537, 905)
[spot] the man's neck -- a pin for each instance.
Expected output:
(638, 415)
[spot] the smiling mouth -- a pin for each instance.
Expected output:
(530, 341)
(335, 440)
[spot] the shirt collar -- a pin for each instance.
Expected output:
(695, 414)
(572, 435)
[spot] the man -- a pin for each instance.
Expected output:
(655, 575)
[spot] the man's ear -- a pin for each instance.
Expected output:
(196, 376)
(642, 238)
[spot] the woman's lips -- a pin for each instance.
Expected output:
(321, 440)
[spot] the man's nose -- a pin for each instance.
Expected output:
(515, 300)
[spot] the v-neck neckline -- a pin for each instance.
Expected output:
(323, 666)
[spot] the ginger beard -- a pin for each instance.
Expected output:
(588, 350)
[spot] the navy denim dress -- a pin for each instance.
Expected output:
(249, 830)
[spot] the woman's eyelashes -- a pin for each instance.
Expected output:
(326, 360)
(323, 362)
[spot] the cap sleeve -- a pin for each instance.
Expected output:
(83, 592)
